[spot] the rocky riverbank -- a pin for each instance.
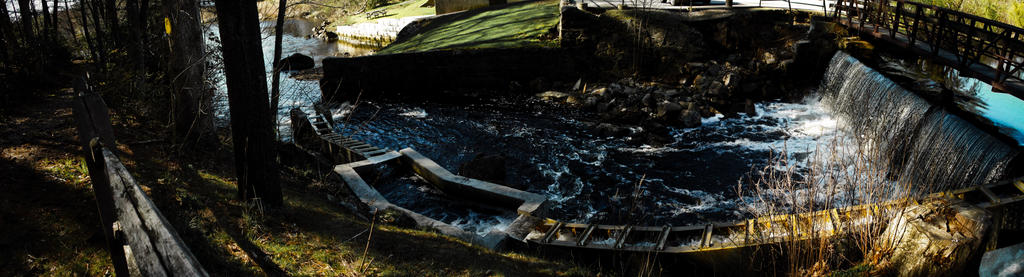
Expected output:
(679, 68)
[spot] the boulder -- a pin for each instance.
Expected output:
(669, 110)
(297, 62)
(553, 96)
(330, 36)
(690, 119)
(935, 238)
(487, 167)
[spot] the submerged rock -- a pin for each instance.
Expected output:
(935, 238)
(297, 62)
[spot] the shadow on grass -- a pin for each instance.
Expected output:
(515, 25)
(48, 226)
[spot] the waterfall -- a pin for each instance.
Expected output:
(916, 142)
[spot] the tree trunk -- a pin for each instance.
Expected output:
(112, 22)
(85, 31)
(100, 46)
(56, 17)
(192, 100)
(135, 47)
(25, 11)
(251, 127)
(71, 24)
(144, 22)
(275, 87)
(7, 40)
(47, 27)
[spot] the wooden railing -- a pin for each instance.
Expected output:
(140, 240)
(968, 40)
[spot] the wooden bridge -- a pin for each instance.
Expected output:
(986, 49)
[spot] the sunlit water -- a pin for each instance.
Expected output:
(295, 93)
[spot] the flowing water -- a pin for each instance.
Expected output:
(691, 180)
(295, 93)
(590, 177)
(922, 144)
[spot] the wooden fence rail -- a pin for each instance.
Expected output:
(141, 241)
(991, 50)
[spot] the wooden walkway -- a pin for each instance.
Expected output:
(989, 50)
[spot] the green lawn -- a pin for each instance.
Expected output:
(516, 25)
(400, 10)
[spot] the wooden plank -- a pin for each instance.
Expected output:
(156, 247)
(550, 235)
(705, 240)
(663, 238)
(988, 193)
(585, 237)
(623, 236)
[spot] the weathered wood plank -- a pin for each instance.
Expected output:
(172, 250)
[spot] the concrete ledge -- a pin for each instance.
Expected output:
(375, 200)
(524, 202)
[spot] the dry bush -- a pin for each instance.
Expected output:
(842, 176)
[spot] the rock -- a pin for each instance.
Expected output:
(1006, 261)
(768, 58)
(487, 167)
(629, 90)
(610, 130)
(554, 96)
(604, 107)
(750, 108)
(330, 36)
(395, 217)
(717, 88)
(297, 62)
(590, 103)
(935, 238)
(649, 100)
(572, 100)
(600, 92)
(669, 93)
(731, 80)
(669, 110)
(690, 118)
(654, 134)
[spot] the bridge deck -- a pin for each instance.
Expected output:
(981, 71)
(806, 5)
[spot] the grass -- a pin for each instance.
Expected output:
(1007, 11)
(51, 227)
(399, 10)
(518, 25)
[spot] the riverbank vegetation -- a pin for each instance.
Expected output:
(1007, 11)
